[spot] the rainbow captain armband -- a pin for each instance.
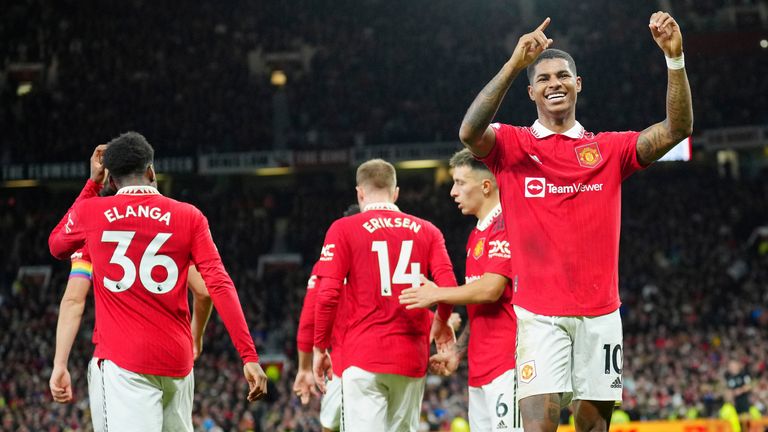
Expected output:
(81, 269)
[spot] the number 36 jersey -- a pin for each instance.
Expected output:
(141, 245)
(380, 252)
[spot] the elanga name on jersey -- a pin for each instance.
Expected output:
(372, 224)
(155, 213)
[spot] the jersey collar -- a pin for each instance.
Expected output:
(381, 206)
(486, 222)
(138, 190)
(540, 131)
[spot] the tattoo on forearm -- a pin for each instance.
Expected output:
(484, 107)
(658, 139)
(463, 342)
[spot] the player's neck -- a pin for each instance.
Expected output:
(134, 181)
(558, 124)
(376, 199)
(487, 207)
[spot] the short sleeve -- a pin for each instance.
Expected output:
(501, 155)
(624, 144)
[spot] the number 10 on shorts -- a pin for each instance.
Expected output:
(613, 358)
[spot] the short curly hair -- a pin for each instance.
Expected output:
(128, 155)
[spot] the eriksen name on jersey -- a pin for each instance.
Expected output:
(385, 222)
(155, 213)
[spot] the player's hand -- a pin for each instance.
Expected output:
(424, 296)
(530, 46)
(322, 368)
(455, 321)
(442, 334)
(197, 347)
(98, 173)
(61, 385)
(444, 363)
(304, 386)
(257, 381)
(666, 33)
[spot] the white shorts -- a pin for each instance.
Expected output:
(579, 356)
(380, 402)
(122, 400)
(493, 407)
(330, 405)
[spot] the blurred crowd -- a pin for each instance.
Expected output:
(197, 79)
(694, 279)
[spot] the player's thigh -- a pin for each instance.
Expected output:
(479, 414)
(330, 404)
(403, 402)
(496, 406)
(178, 394)
(543, 354)
(598, 358)
(364, 401)
(96, 395)
(127, 393)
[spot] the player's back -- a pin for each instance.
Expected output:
(141, 245)
(385, 251)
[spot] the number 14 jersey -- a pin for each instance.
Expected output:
(380, 252)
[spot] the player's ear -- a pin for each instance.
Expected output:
(112, 183)
(396, 194)
(150, 174)
(487, 186)
(360, 196)
(578, 84)
(530, 92)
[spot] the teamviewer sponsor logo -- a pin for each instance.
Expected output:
(535, 187)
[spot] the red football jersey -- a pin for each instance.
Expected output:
(305, 334)
(141, 245)
(492, 340)
(380, 252)
(561, 195)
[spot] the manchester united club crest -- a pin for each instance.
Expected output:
(528, 371)
(588, 155)
(477, 251)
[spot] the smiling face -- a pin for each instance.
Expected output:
(553, 88)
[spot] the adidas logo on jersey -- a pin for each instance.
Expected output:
(501, 425)
(616, 383)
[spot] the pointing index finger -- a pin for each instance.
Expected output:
(544, 24)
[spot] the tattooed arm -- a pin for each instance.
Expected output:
(658, 139)
(475, 132)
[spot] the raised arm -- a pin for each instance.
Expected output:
(67, 236)
(475, 132)
(659, 138)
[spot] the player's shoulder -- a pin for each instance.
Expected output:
(498, 226)
(181, 206)
(427, 225)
